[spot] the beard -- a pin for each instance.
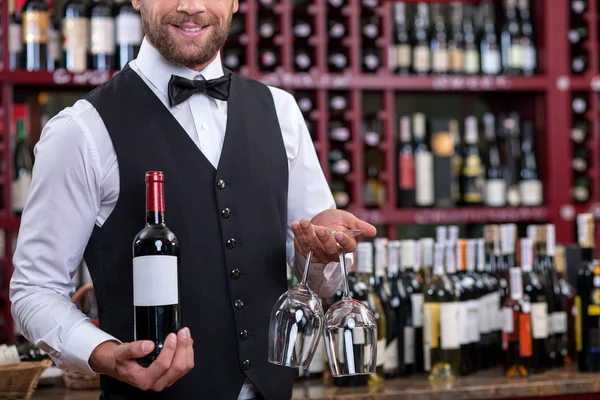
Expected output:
(188, 52)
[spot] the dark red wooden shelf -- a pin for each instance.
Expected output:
(294, 80)
(453, 215)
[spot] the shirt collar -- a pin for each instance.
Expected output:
(158, 70)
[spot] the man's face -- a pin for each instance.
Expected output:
(187, 32)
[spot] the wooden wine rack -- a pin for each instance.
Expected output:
(551, 91)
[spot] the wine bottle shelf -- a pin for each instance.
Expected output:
(383, 81)
(465, 215)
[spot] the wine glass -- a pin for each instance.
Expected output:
(296, 323)
(350, 331)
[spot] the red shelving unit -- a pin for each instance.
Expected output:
(551, 91)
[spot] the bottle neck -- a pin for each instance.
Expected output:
(155, 203)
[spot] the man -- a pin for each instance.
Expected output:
(240, 172)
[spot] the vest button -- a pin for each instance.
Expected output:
(239, 304)
(244, 334)
(221, 184)
(235, 273)
(226, 212)
(246, 364)
(231, 243)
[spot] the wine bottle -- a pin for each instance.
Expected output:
(558, 317)
(421, 57)
(36, 22)
(128, 32)
(440, 328)
(491, 59)
(578, 34)
(15, 38)
(530, 185)
(365, 272)
(400, 291)
(411, 284)
(579, 64)
(268, 59)
(535, 294)
(579, 6)
(406, 165)
(580, 161)
(528, 50)
(423, 164)
(581, 189)
(415, 288)
(586, 301)
(76, 31)
(579, 105)
(516, 331)
(566, 346)
(472, 59)
(510, 36)
(472, 281)
(456, 41)
(102, 36)
(580, 131)
(23, 167)
(472, 181)
(401, 51)
(440, 59)
(156, 273)
(486, 310)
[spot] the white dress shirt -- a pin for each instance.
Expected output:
(75, 186)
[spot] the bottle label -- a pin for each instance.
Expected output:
(559, 322)
(35, 26)
(495, 192)
(529, 57)
(380, 352)
(516, 56)
(456, 60)
(440, 60)
(471, 61)
(15, 44)
(54, 44)
(76, 36)
(431, 325)
(421, 62)
(129, 29)
(391, 356)
(539, 320)
(473, 321)
(403, 55)
(490, 62)
(449, 329)
(19, 191)
(417, 309)
(409, 345)
(578, 321)
(531, 192)
(463, 323)
(424, 179)
(407, 172)
(155, 281)
(102, 39)
(525, 340)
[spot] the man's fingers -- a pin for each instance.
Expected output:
(178, 365)
(369, 230)
(347, 243)
(311, 237)
(299, 239)
(327, 242)
(164, 360)
(128, 351)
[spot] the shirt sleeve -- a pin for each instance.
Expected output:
(308, 193)
(58, 219)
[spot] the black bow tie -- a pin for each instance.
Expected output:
(181, 89)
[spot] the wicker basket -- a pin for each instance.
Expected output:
(76, 379)
(19, 380)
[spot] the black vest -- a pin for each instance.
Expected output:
(231, 224)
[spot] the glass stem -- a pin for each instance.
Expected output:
(306, 267)
(342, 255)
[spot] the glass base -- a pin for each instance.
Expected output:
(281, 364)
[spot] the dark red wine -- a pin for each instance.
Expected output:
(156, 266)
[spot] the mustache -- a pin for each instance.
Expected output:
(180, 19)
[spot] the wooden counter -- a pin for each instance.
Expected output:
(557, 384)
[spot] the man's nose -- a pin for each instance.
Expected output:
(191, 7)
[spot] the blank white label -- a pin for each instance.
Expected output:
(559, 321)
(449, 315)
(380, 352)
(417, 309)
(391, 356)
(495, 192)
(539, 320)
(424, 188)
(531, 192)
(484, 315)
(129, 29)
(155, 281)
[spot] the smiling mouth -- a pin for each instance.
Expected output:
(194, 29)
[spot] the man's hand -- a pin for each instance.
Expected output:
(313, 235)
(118, 361)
